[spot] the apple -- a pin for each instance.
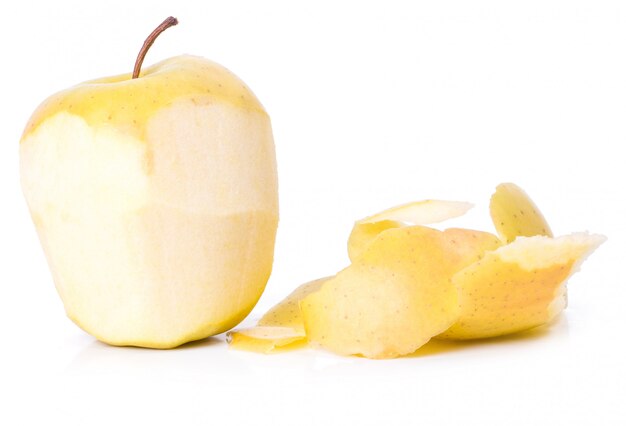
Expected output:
(155, 199)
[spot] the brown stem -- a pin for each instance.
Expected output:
(169, 22)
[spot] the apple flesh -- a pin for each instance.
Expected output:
(155, 200)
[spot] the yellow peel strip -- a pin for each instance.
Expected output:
(417, 213)
(519, 286)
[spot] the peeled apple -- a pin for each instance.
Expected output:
(155, 201)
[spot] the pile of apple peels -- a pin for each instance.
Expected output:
(408, 283)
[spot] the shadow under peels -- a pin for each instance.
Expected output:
(439, 346)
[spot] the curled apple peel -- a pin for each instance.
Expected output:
(281, 327)
(396, 295)
(514, 214)
(265, 339)
(518, 286)
(417, 213)
(408, 283)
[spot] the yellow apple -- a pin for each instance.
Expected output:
(155, 200)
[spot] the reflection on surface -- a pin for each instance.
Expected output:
(207, 357)
(212, 361)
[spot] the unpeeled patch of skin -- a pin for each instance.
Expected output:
(130, 103)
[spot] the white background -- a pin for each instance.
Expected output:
(372, 104)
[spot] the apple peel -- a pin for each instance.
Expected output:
(514, 214)
(408, 283)
(282, 326)
(287, 313)
(518, 286)
(424, 212)
(396, 295)
(266, 339)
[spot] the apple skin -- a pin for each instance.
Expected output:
(155, 200)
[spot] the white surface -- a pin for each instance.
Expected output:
(372, 106)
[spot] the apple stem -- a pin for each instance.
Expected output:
(169, 22)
